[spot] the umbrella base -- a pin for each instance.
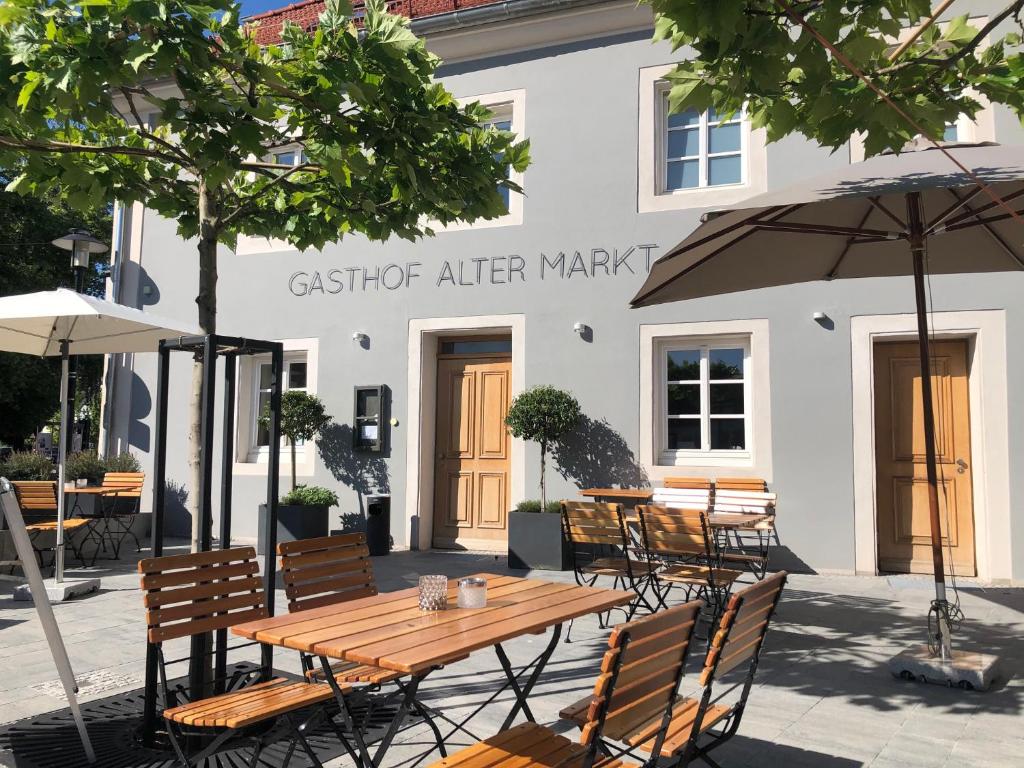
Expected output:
(58, 593)
(966, 670)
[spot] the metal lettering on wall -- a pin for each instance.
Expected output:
(482, 270)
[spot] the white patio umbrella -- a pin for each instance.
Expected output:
(65, 323)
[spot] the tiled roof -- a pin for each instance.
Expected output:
(306, 14)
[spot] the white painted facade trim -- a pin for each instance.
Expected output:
(985, 331)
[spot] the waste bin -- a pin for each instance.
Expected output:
(378, 523)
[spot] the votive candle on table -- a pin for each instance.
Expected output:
(472, 592)
(433, 593)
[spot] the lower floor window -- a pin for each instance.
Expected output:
(295, 369)
(706, 399)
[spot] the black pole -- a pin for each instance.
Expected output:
(227, 464)
(200, 645)
(149, 718)
(273, 486)
(917, 248)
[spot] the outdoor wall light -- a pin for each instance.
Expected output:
(360, 337)
(580, 328)
(824, 321)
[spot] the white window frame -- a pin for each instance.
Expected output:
(510, 105)
(655, 340)
(251, 459)
(704, 154)
(262, 452)
(703, 345)
(652, 195)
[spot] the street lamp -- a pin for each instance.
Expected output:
(82, 245)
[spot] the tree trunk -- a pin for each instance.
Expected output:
(292, 442)
(543, 484)
(206, 302)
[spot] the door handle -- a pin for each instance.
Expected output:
(961, 466)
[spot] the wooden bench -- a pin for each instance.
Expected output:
(39, 497)
(734, 648)
(188, 595)
(632, 698)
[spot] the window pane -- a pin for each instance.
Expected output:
(683, 434)
(725, 138)
(296, 376)
(727, 398)
(682, 174)
(265, 376)
(262, 429)
(470, 347)
(503, 125)
(689, 117)
(714, 116)
(727, 435)
(683, 365)
(284, 158)
(951, 133)
(724, 170)
(684, 143)
(684, 399)
(368, 405)
(725, 364)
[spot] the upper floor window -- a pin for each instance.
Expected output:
(501, 119)
(701, 150)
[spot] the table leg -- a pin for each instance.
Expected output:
(513, 678)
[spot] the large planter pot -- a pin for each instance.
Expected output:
(535, 541)
(294, 522)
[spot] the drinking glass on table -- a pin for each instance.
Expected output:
(433, 593)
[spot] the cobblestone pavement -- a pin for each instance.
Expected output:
(823, 696)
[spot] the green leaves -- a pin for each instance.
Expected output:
(750, 51)
(542, 414)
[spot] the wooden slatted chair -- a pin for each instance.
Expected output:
(628, 712)
(600, 545)
(120, 502)
(683, 498)
(327, 571)
(751, 547)
(38, 499)
(187, 595)
(694, 483)
(681, 542)
(703, 723)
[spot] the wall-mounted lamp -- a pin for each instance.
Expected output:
(824, 321)
(360, 337)
(584, 331)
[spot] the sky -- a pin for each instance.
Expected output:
(252, 7)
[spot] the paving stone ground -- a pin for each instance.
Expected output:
(823, 695)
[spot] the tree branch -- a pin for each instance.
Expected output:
(279, 178)
(143, 130)
(67, 148)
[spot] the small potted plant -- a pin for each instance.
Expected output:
(542, 415)
(304, 512)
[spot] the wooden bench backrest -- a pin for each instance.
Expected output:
(741, 484)
(755, 502)
(326, 570)
(192, 594)
(686, 498)
(668, 531)
(131, 481)
(640, 672)
(593, 522)
(36, 495)
(742, 628)
(695, 483)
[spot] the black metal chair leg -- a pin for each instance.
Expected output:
(258, 749)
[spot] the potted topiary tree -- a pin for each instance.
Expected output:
(302, 513)
(542, 415)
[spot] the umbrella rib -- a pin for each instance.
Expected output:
(24, 333)
(831, 274)
(974, 212)
(877, 203)
(942, 217)
(992, 233)
(980, 221)
(826, 229)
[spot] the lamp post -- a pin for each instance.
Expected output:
(82, 245)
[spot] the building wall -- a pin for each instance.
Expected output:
(581, 116)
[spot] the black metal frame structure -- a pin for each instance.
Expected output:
(209, 348)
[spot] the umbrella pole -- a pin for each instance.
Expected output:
(62, 455)
(917, 249)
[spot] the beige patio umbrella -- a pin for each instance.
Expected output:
(65, 323)
(904, 214)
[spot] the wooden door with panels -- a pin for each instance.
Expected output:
(472, 450)
(904, 529)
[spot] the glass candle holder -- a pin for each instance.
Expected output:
(433, 593)
(472, 592)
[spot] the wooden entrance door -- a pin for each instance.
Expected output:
(471, 482)
(904, 531)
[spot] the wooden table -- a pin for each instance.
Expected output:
(629, 495)
(389, 630)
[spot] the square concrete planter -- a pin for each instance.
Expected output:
(295, 522)
(535, 541)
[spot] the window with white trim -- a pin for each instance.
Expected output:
(501, 119)
(295, 378)
(700, 150)
(705, 404)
